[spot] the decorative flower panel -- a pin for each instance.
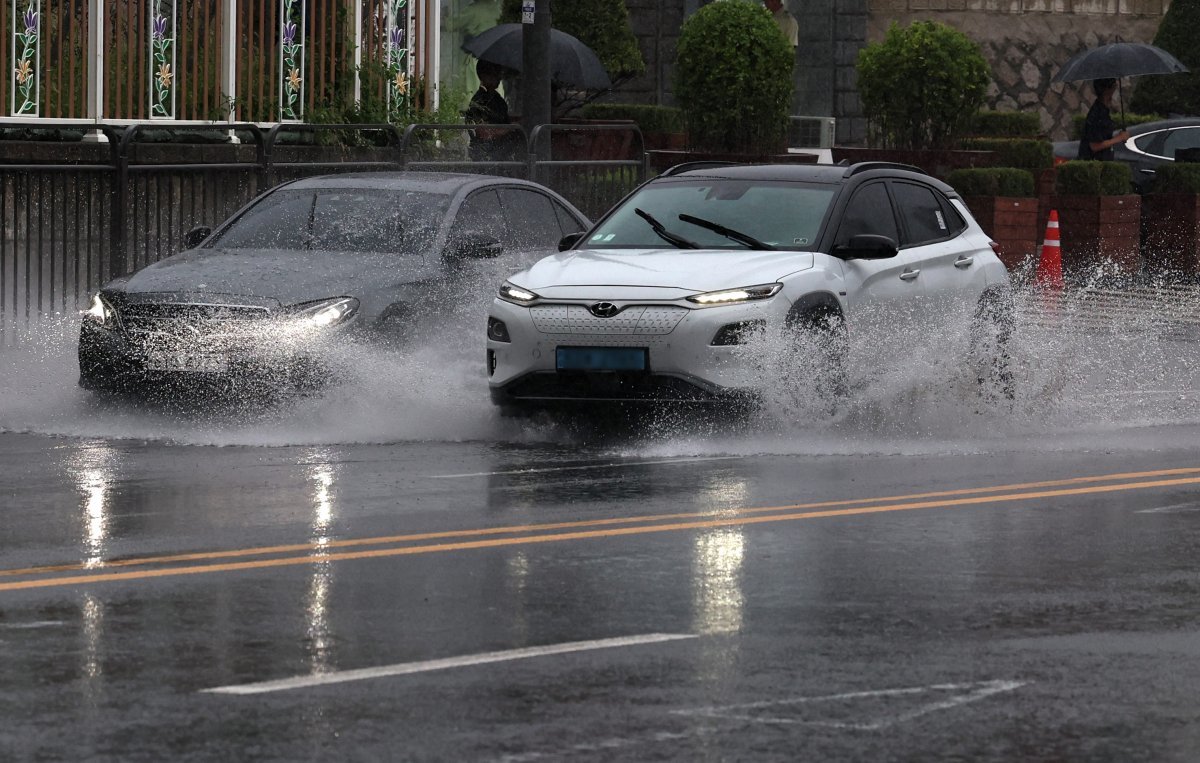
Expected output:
(396, 59)
(26, 82)
(162, 59)
(291, 60)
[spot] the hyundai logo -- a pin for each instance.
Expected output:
(604, 309)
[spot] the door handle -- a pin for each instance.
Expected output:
(909, 275)
(963, 262)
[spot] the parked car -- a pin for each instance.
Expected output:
(306, 264)
(1150, 145)
(654, 302)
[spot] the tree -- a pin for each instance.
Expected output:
(733, 78)
(1175, 93)
(602, 25)
(921, 86)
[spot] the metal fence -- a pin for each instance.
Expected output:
(72, 222)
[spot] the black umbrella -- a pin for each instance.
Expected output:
(1117, 60)
(571, 62)
(1120, 59)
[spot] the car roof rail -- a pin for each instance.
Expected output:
(854, 169)
(689, 166)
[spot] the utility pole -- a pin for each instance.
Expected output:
(535, 63)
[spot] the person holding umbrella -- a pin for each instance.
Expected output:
(489, 107)
(1098, 139)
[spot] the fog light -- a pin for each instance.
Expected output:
(497, 331)
(741, 332)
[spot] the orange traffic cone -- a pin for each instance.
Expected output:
(1049, 269)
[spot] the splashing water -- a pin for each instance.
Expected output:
(1091, 362)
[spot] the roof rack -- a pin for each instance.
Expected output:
(689, 166)
(854, 169)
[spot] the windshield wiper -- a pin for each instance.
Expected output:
(730, 233)
(663, 233)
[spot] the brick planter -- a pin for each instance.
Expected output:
(1011, 222)
(1095, 229)
(1171, 222)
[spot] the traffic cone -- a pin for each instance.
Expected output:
(1049, 269)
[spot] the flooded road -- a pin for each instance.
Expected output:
(390, 571)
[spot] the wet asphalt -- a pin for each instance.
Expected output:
(1029, 600)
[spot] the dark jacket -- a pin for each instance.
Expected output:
(1097, 128)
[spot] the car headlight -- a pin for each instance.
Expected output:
(733, 296)
(327, 312)
(100, 313)
(515, 294)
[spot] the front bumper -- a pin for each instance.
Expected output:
(684, 366)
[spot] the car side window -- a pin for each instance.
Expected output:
(567, 222)
(480, 213)
(1184, 137)
(532, 221)
(869, 211)
(924, 218)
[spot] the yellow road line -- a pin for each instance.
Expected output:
(583, 535)
(312, 546)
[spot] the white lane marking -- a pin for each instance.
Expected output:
(407, 668)
(32, 625)
(1175, 508)
(973, 693)
(611, 465)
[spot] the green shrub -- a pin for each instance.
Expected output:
(649, 118)
(1176, 178)
(733, 78)
(1091, 178)
(1015, 152)
(602, 25)
(1131, 119)
(1177, 93)
(922, 85)
(992, 181)
(1005, 124)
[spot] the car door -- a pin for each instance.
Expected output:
(877, 291)
(931, 236)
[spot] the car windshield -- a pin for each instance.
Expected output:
(785, 215)
(338, 220)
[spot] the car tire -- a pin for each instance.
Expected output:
(991, 344)
(823, 329)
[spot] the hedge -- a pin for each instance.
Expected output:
(1005, 124)
(1176, 178)
(649, 118)
(992, 181)
(1092, 178)
(1015, 152)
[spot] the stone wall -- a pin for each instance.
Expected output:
(1026, 41)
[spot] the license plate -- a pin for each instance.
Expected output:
(602, 358)
(186, 361)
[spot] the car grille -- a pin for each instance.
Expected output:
(189, 321)
(635, 320)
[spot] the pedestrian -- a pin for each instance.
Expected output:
(488, 107)
(1098, 139)
(787, 24)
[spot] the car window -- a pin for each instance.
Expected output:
(922, 213)
(531, 219)
(337, 220)
(869, 211)
(481, 213)
(567, 222)
(1184, 137)
(782, 214)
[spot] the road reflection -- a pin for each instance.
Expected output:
(93, 468)
(319, 641)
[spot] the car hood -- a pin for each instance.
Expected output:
(286, 276)
(692, 270)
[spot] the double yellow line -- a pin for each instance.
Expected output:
(202, 563)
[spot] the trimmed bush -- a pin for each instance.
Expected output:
(1131, 119)
(1176, 93)
(921, 86)
(1176, 178)
(733, 78)
(602, 25)
(649, 118)
(1005, 124)
(1091, 178)
(1015, 152)
(992, 181)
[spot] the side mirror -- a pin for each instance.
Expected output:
(474, 245)
(867, 246)
(570, 240)
(195, 237)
